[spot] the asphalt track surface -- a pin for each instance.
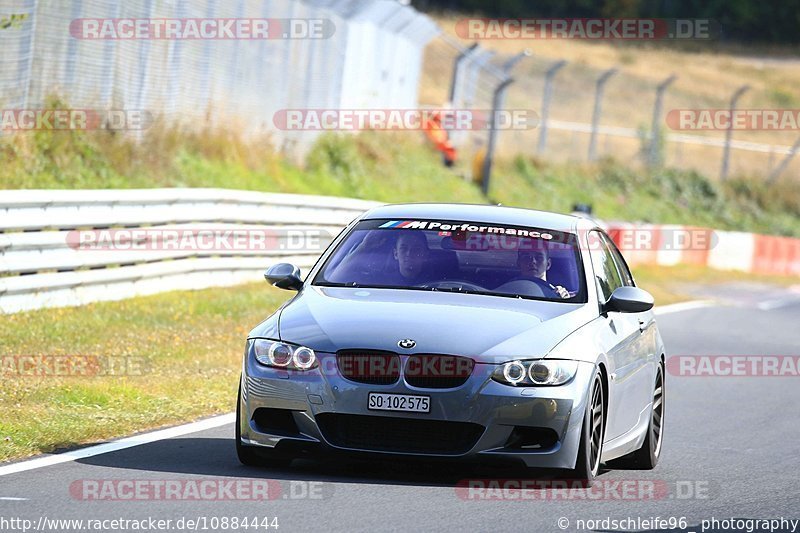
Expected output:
(731, 450)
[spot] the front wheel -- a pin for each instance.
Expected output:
(587, 464)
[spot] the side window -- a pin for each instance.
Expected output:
(619, 261)
(605, 271)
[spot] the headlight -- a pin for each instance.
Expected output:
(544, 372)
(304, 358)
(282, 355)
(278, 354)
(514, 372)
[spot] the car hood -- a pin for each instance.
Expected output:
(486, 328)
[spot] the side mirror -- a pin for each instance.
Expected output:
(629, 300)
(284, 276)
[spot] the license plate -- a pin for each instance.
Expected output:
(379, 401)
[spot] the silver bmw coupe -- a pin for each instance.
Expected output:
(459, 331)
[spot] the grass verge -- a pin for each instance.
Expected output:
(390, 167)
(668, 284)
(193, 342)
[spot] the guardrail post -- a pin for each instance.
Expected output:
(598, 99)
(654, 158)
(726, 154)
(546, 97)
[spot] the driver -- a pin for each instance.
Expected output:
(370, 262)
(412, 255)
(534, 261)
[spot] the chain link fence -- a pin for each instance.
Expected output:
(370, 55)
(377, 54)
(582, 120)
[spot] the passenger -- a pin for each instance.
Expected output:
(534, 262)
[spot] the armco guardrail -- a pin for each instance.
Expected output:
(669, 244)
(62, 248)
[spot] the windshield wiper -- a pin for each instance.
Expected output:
(461, 290)
(354, 285)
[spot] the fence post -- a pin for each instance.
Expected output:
(144, 66)
(726, 154)
(785, 163)
(654, 159)
(474, 67)
(546, 97)
(31, 54)
(76, 10)
(458, 72)
(497, 103)
(598, 99)
(110, 52)
(463, 94)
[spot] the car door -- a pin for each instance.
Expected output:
(646, 345)
(620, 337)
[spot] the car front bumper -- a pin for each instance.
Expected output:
(304, 399)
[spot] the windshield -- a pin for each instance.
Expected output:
(468, 257)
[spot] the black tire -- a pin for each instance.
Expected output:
(253, 455)
(646, 457)
(590, 450)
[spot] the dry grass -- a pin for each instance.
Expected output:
(708, 76)
(185, 349)
(666, 283)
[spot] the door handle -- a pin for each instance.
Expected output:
(642, 325)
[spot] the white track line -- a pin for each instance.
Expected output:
(683, 306)
(121, 444)
(12, 499)
(769, 305)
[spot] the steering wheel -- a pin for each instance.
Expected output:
(545, 286)
(452, 284)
